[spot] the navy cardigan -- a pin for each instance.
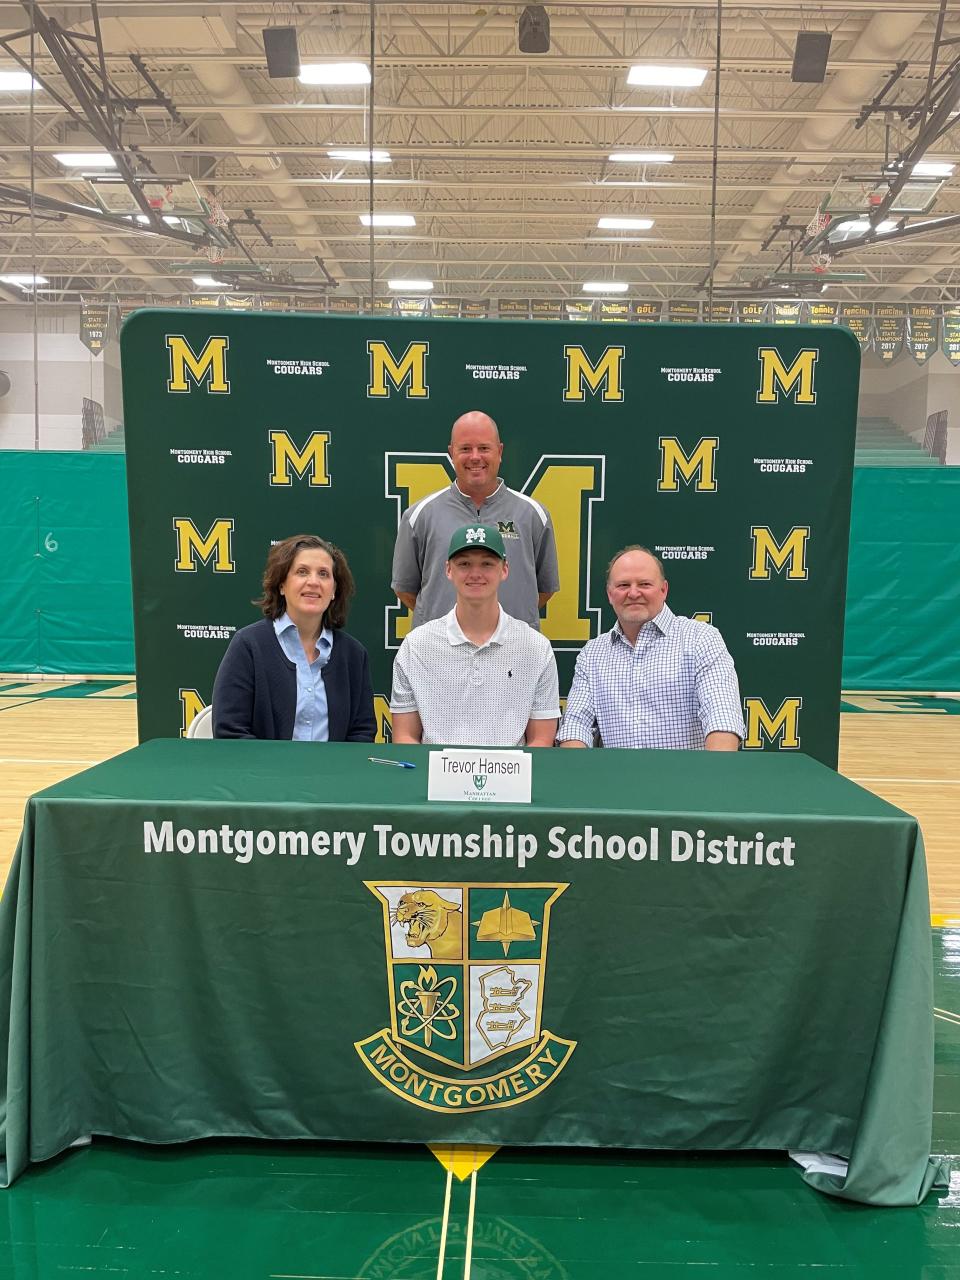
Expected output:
(255, 692)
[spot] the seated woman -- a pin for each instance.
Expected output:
(296, 673)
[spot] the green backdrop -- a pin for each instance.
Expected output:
(729, 450)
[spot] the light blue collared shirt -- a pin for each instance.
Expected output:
(312, 722)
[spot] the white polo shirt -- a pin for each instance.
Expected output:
(469, 695)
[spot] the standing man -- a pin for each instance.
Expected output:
(478, 495)
(476, 677)
(655, 679)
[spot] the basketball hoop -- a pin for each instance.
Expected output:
(216, 217)
(821, 262)
(819, 222)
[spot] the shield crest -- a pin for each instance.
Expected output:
(466, 966)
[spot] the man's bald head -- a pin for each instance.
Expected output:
(474, 418)
(475, 451)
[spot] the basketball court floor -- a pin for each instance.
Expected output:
(294, 1211)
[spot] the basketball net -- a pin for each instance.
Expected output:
(819, 222)
(217, 217)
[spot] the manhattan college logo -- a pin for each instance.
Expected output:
(479, 781)
(466, 967)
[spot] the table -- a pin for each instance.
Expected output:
(195, 935)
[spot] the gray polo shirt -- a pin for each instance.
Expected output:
(420, 553)
(475, 695)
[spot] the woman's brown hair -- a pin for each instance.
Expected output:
(279, 563)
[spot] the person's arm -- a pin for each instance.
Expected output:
(580, 717)
(233, 692)
(407, 573)
(407, 727)
(548, 573)
(718, 694)
(540, 733)
(543, 597)
(363, 719)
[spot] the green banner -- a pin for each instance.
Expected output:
(646, 312)
(820, 313)
(728, 451)
(94, 325)
(889, 326)
(683, 312)
(753, 312)
(858, 318)
(951, 334)
(922, 330)
(546, 309)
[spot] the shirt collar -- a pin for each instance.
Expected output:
(663, 622)
(284, 623)
(455, 634)
(490, 498)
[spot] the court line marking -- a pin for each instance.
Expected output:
(444, 1224)
(43, 760)
(919, 782)
(945, 1015)
(468, 1253)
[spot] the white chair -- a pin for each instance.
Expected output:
(201, 726)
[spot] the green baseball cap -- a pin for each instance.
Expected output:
(479, 537)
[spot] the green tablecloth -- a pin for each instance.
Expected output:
(194, 941)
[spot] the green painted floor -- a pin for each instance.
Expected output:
(248, 1211)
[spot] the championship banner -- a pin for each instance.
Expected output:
(728, 451)
(241, 301)
(752, 312)
(447, 308)
(612, 309)
(415, 307)
(342, 305)
(546, 309)
(889, 328)
(683, 312)
(282, 304)
(94, 319)
(205, 301)
(579, 309)
(382, 307)
(951, 334)
(786, 313)
(514, 309)
(718, 312)
(315, 304)
(820, 313)
(474, 309)
(858, 318)
(922, 330)
(129, 305)
(646, 312)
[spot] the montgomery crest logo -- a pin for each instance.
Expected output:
(466, 970)
(507, 529)
(476, 535)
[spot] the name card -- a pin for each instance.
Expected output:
(479, 776)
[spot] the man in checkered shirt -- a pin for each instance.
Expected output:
(476, 677)
(656, 679)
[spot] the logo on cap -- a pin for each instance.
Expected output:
(477, 535)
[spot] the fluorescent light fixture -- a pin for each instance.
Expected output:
(208, 282)
(17, 82)
(863, 224)
(86, 159)
(388, 220)
(605, 286)
(625, 224)
(334, 73)
(641, 157)
(411, 286)
(24, 281)
(667, 77)
(361, 154)
(170, 219)
(932, 169)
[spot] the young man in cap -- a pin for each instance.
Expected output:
(476, 677)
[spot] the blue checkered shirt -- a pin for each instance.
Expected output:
(669, 691)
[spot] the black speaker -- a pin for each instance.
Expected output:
(810, 57)
(283, 55)
(533, 30)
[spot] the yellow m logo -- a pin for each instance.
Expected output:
(312, 457)
(675, 465)
(792, 552)
(191, 704)
(781, 724)
(409, 373)
(193, 547)
(210, 365)
(604, 376)
(776, 377)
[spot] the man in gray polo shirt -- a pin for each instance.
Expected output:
(476, 677)
(478, 494)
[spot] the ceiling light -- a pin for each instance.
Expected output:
(361, 154)
(388, 220)
(208, 282)
(625, 224)
(17, 82)
(672, 77)
(605, 286)
(170, 219)
(932, 169)
(335, 73)
(23, 281)
(641, 157)
(863, 224)
(411, 286)
(86, 159)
